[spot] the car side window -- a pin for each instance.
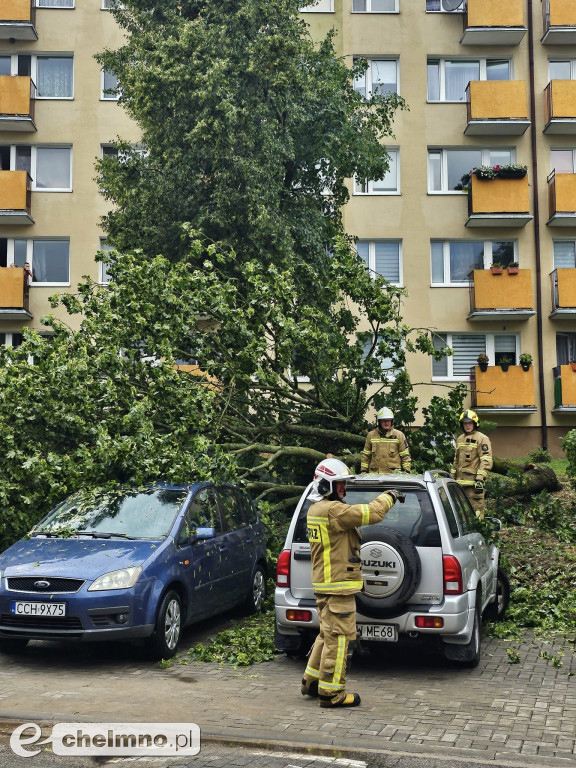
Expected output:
(250, 514)
(232, 517)
(462, 508)
(449, 512)
(202, 513)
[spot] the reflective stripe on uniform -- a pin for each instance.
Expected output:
(466, 482)
(385, 440)
(365, 514)
(312, 672)
(322, 523)
(321, 587)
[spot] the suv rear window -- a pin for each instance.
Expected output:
(415, 518)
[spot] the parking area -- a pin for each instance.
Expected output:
(523, 713)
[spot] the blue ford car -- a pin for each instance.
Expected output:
(132, 564)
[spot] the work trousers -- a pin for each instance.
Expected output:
(329, 656)
(476, 499)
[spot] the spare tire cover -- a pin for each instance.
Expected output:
(391, 570)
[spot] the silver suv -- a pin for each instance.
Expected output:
(429, 573)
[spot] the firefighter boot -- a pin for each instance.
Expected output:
(309, 687)
(349, 700)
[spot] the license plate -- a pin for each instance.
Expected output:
(37, 609)
(387, 633)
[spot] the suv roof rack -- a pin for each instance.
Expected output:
(433, 474)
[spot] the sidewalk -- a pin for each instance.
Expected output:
(518, 714)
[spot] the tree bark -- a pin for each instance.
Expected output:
(535, 477)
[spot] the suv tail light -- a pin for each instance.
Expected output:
(452, 576)
(283, 568)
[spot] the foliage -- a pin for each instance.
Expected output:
(525, 358)
(485, 172)
(569, 446)
(432, 445)
(539, 455)
(247, 642)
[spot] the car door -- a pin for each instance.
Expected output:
(204, 565)
(470, 548)
(237, 542)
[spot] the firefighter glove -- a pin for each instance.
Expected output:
(397, 496)
(478, 486)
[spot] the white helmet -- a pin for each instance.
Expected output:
(326, 474)
(384, 413)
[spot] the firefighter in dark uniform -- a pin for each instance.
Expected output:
(336, 576)
(386, 449)
(472, 461)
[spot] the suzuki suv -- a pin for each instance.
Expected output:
(429, 573)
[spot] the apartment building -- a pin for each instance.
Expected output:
(488, 83)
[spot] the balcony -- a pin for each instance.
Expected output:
(498, 391)
(493, 22)
(15, 198)
(562, 199)
(559, 22)
(17, 103)
(498, 203)
(560, 107)
(18, 20)
(564, 389)
(13, 295)
(497, 108)
(563, 294)
(500, 297)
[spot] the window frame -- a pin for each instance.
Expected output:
(369, 3)
(103, 95)
(368, 183)
(307, 9)
(444, 157)
(562, 240)
(563, 149)
(488, 258)
(30, 257)
(368, 73)
(56, 7)
(371, 266)
(102, 274)
(482, 61)
(556, 60)
(489, 349)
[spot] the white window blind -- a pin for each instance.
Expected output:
(564, 254)
(466, 348)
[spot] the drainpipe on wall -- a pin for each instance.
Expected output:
(537, 229)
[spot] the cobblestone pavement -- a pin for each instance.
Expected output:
(519, 714)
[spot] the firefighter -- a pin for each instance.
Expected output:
(332, 528)
(472, 460)
(386, 448)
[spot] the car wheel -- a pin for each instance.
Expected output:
(13, 645)
(391, 570)
(163, 642)
(467, 655)
(255, 598)
(495, 611)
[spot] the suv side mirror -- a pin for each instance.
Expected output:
(201, 534)
(497, 522)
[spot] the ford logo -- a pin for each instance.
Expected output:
(374, 552)
(42, 584)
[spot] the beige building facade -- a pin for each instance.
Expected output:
(487, 83)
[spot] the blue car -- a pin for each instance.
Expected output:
(132, 564)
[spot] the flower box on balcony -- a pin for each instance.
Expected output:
(498, 203)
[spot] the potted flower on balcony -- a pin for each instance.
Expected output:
(486, 172)
(512, 171)
(505, 363)
(483, 361)
(573, 365)
(496, 268)
(513, 268)
(525, 360)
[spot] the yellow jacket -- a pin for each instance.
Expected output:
(332, 529)
(473, 458)
(385, 452)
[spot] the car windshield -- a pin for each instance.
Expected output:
(415, 518)
(140, 514)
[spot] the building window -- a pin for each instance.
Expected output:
(11, 339)
(563, 160)
(107, 4)
(380, 78)
(383, 258)
(103, 276)
(444, 7)
(453, 260)
(565, 347)
(374, 6)
(465, 350)
(370, 349)
(389, 185)
(54, 77)
(323, 6)
(55, 3)
(447, 166)
(110, 90)
(49, 259)
(562, 69)
(449, 78)
(50, 168)
(564, 255)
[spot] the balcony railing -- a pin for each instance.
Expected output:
(503, 296)
(497, 107)
(560, 107)
(563, 283)
(510, 391)
(15, 198)
(564, 389)
(559, 22)
(493, 22)
(498, 203)
(562, 199)
(14, 294)
(17, 98)
(18, 20)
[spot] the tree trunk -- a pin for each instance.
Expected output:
(535, 477)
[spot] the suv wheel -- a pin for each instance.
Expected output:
(467, 655)
(391, 570)
(163, 642)
(495, 611)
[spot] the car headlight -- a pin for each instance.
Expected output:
(122, 579)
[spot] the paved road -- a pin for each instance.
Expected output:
(413, 704)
